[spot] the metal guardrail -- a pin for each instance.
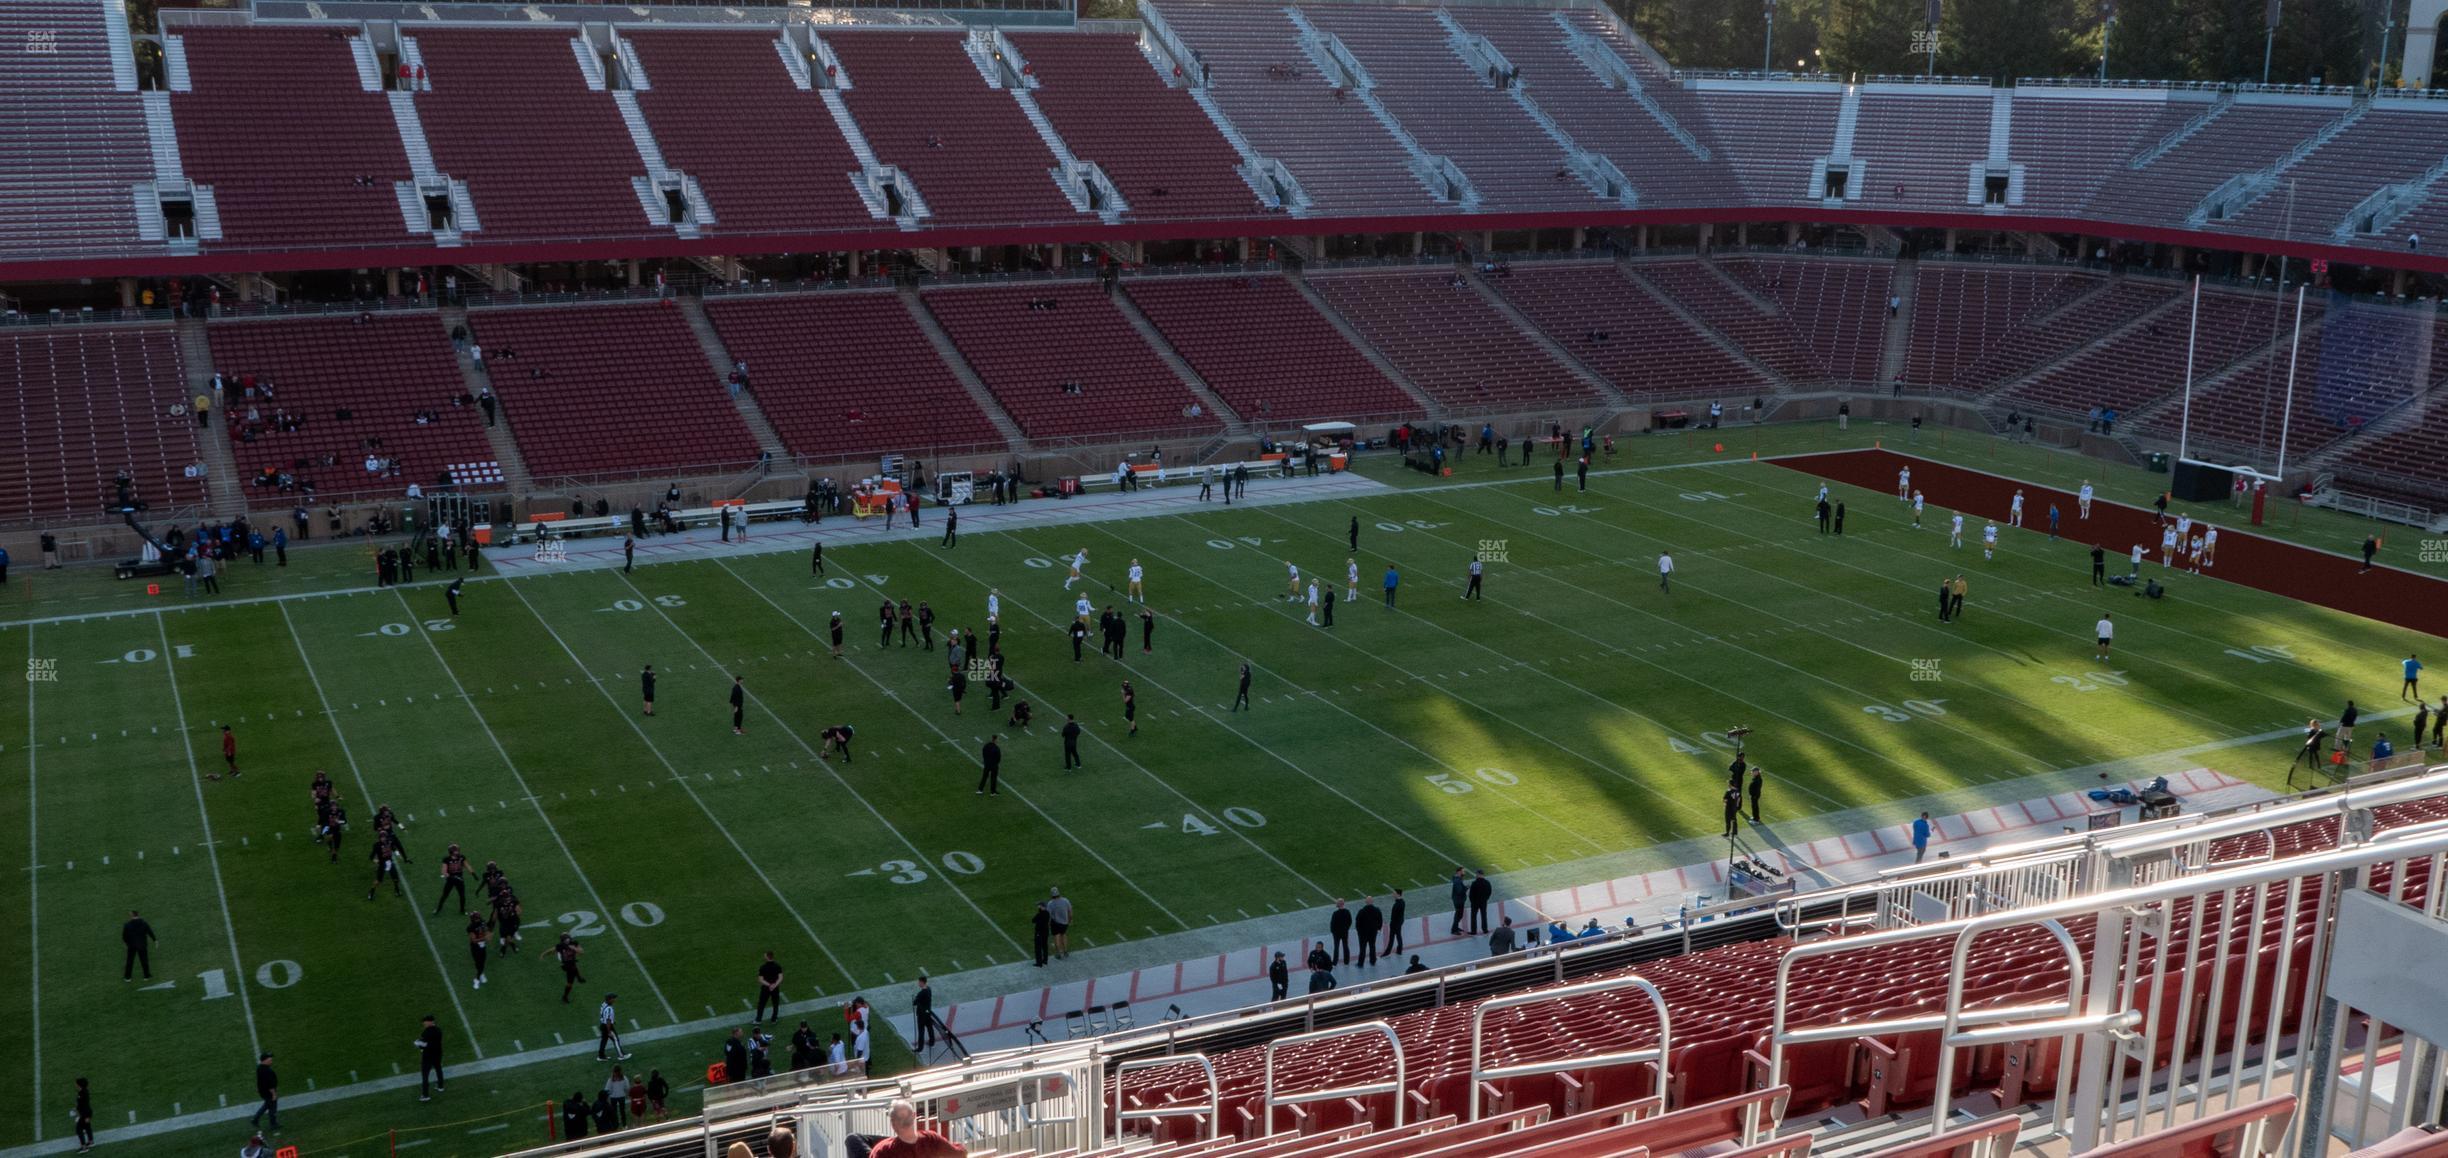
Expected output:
(1654, 1057)
(1395, 1087)
(1214, 1107)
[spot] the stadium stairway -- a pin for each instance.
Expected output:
(1615, 398)
(224, 491)
(966, 373)
(1742, 289)
(1376, 358)
(778, 458)
(1897, 341)
(2407, 413)
(1234, 424)
(515, 475)
(1700, 325)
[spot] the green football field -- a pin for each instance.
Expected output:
(1574, 712)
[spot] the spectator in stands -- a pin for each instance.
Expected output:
(1481, 890)
(1921, 837)
(1321, 980)
(1500, 942)
(2413, 242)
(2382, 749)
(1279, 978)
(908, 1141)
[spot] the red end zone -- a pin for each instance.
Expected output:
(2386, 594)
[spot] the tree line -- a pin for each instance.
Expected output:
(2335, 41)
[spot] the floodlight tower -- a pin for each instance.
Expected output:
(1768, 39)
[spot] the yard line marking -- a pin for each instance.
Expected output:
(1203, 577)
(947, 737)
(1168, 786)
(2037, 592)
(691, 789)
(365, 792)
(520, 779)
(34, 892)
(178, 705)
(1977, 737)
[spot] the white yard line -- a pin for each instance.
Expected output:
(921, 717)
(1194, 706)
(537, 802)
(682, 779)
(417, 910)
(195, 776)
(1900, 661)
(2004, 580)
(33, 891)
(1258, 667)
(1626, 653)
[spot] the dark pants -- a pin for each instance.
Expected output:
(1461, 911)
(429, 1070)
(1071, 756)
(1368, 947)
(991, 780)
(765, 997)
(1041, 949)
(1389, 596)
(2099, 574)
(1276, 990)
(607, 1034)
(1755, 795)
(451, 884)
(1479, 917)
(1394, 937)
(84, 1129)
(1342, 947)
(271, 1105)
(1472, 592)
(138, 954)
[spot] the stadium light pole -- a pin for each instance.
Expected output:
(1768, 39)
(2107, 26)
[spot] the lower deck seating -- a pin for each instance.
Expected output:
(1266, 351)
(1434, 327)
(1617, 329)
(594, 390)
(849, 374)
(344, 390)
(85, 404)
(1960, 311)
(1838, 307)
(2148, 362)
(1063, 360)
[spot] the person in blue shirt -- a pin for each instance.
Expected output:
(4, 572)
(2382, 749)
(2411, 691)
(280, 547)
(1920, 837)
(1392, 581)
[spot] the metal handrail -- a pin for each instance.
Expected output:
(1214, 1108)
(1394, 1087)
(1654, 1057)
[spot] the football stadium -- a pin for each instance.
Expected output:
(1501, 455)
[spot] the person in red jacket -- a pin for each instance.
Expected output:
(229, 750)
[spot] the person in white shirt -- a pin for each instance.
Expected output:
(1351, 580)
(835, 1057)
(1904, 484)
(2209, 548)
(1137, 576)
(1077, 561)
(994, 604)
(1665, 573)
(2184, 526)
(1292, 592)
(1313, 603)
(1083, 608)
(2014, 513)
(859, 1044)
(1989, 540)
(2106, 632)
(2085, 499)
(2138, 552)
(1955, 532)
(2167, 548)
(1916, 502)
(2193, 553)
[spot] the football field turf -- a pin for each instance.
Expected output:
(1577, 710)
